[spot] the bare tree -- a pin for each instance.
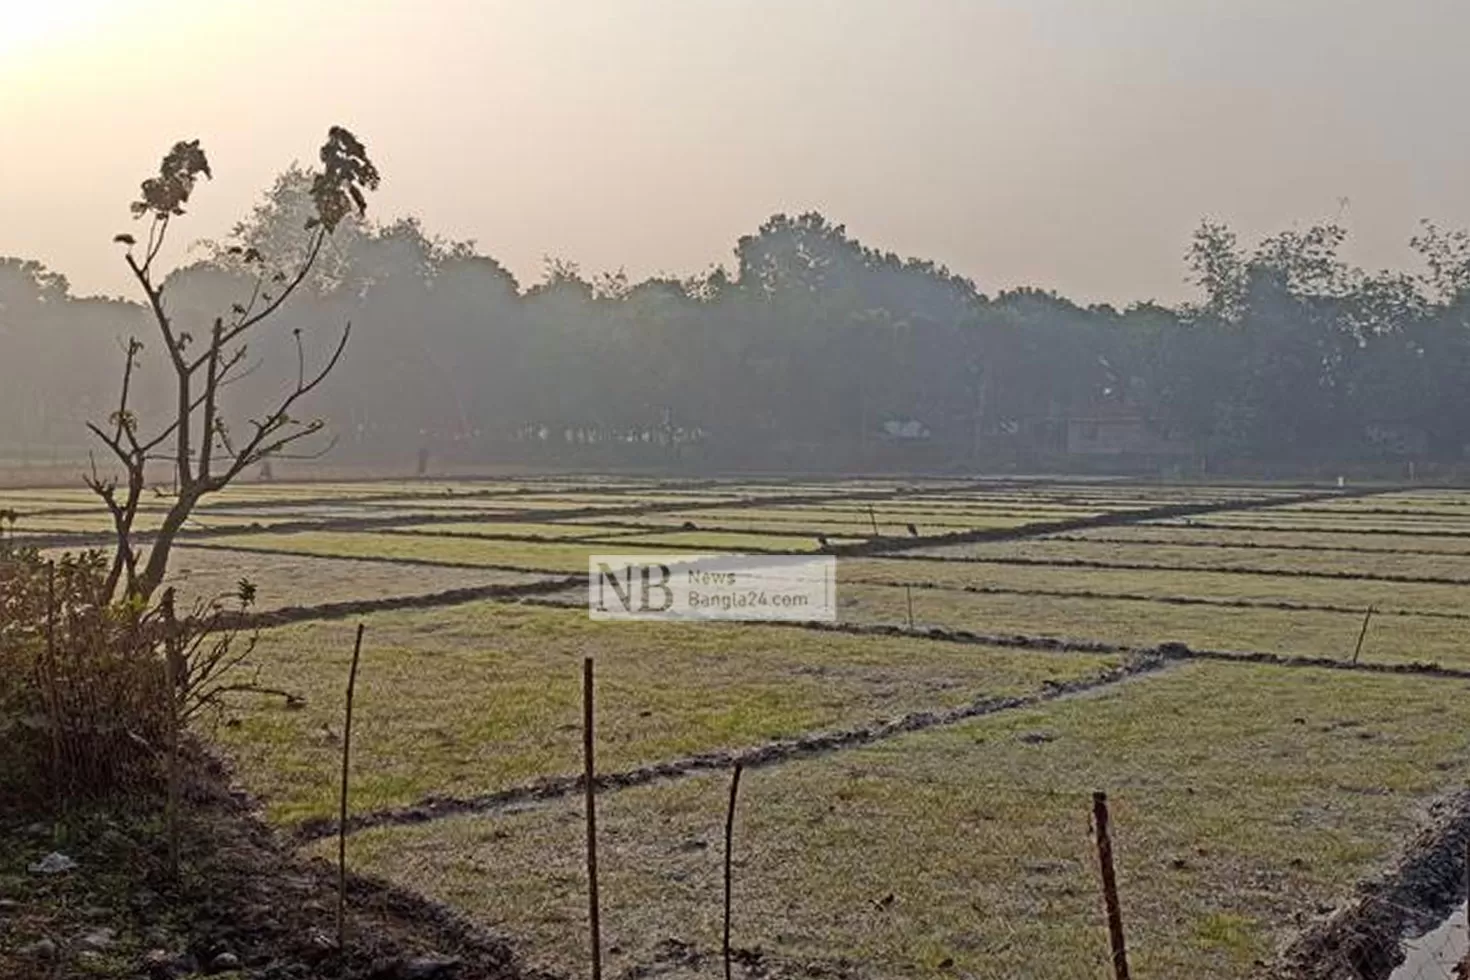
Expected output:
(204, 454)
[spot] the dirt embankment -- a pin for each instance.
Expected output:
(244, 905)
(1361, 940)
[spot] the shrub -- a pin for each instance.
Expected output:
(93, 694)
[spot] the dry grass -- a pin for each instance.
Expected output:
(1206, 584)
(1351, 539)
(1263, 558)
(1390, 639)
(718, 541)
(1328, 523)
(1243, 798)
(485, 695)
(429, 550)
(526, 530)
(285, 580)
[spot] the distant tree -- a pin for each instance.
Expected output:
(1446, 253)
(204, 452)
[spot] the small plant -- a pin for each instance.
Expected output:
(94, 695)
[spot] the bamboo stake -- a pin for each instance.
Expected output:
(1362, 633)
(594, 915)
(729, 834)
(1110, 885)
(53, 700)
(342, 799)
(173, 668)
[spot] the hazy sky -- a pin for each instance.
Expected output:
(1070, 144)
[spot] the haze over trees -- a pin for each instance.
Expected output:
(812, 350)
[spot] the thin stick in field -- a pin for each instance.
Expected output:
(1362, 633)
(589, 780)
(1118, 950)
(342, 800)
(729, 835)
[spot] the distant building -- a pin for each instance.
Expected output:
(905, 430)
(1120, 431)
(1397, 438)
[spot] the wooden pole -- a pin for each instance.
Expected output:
(342, 800)
(1110, 885)
(1362, 633)
(173, 667)
(729, 834)
(908, 591)
(589, 779)
(873, 516)
(53, 700)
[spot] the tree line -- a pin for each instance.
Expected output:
(812, 350)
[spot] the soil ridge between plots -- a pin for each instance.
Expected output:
(1362, 939)
(771, 753)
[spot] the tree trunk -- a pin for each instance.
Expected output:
(163, 543)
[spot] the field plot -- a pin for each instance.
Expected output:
(1325, 523)
(1185, 556)
(511, 529)
(287, 580)
(810, 521)
(1364, 541)
(92, 523)
(421, 549)
(1161, 582)
(1145, 623)
(1243, 797)
(1248, 797)
(485, 695)
(1250, 580)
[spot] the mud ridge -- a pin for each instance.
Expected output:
(1308, 529)
(1259, 546)
(426, 600)
(1361, 939)
(873, 546)
(1127, 566)
(1414, 668)
(375, 559)
(878, 546)
(557, 580)
(1169, 649)
(542, 516)
(1169, 600)
(771, 753)
(603, 541)
(1351, 513)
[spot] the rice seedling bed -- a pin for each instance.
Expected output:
(486, 695)
(965, 850)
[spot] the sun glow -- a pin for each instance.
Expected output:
(31, 26)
